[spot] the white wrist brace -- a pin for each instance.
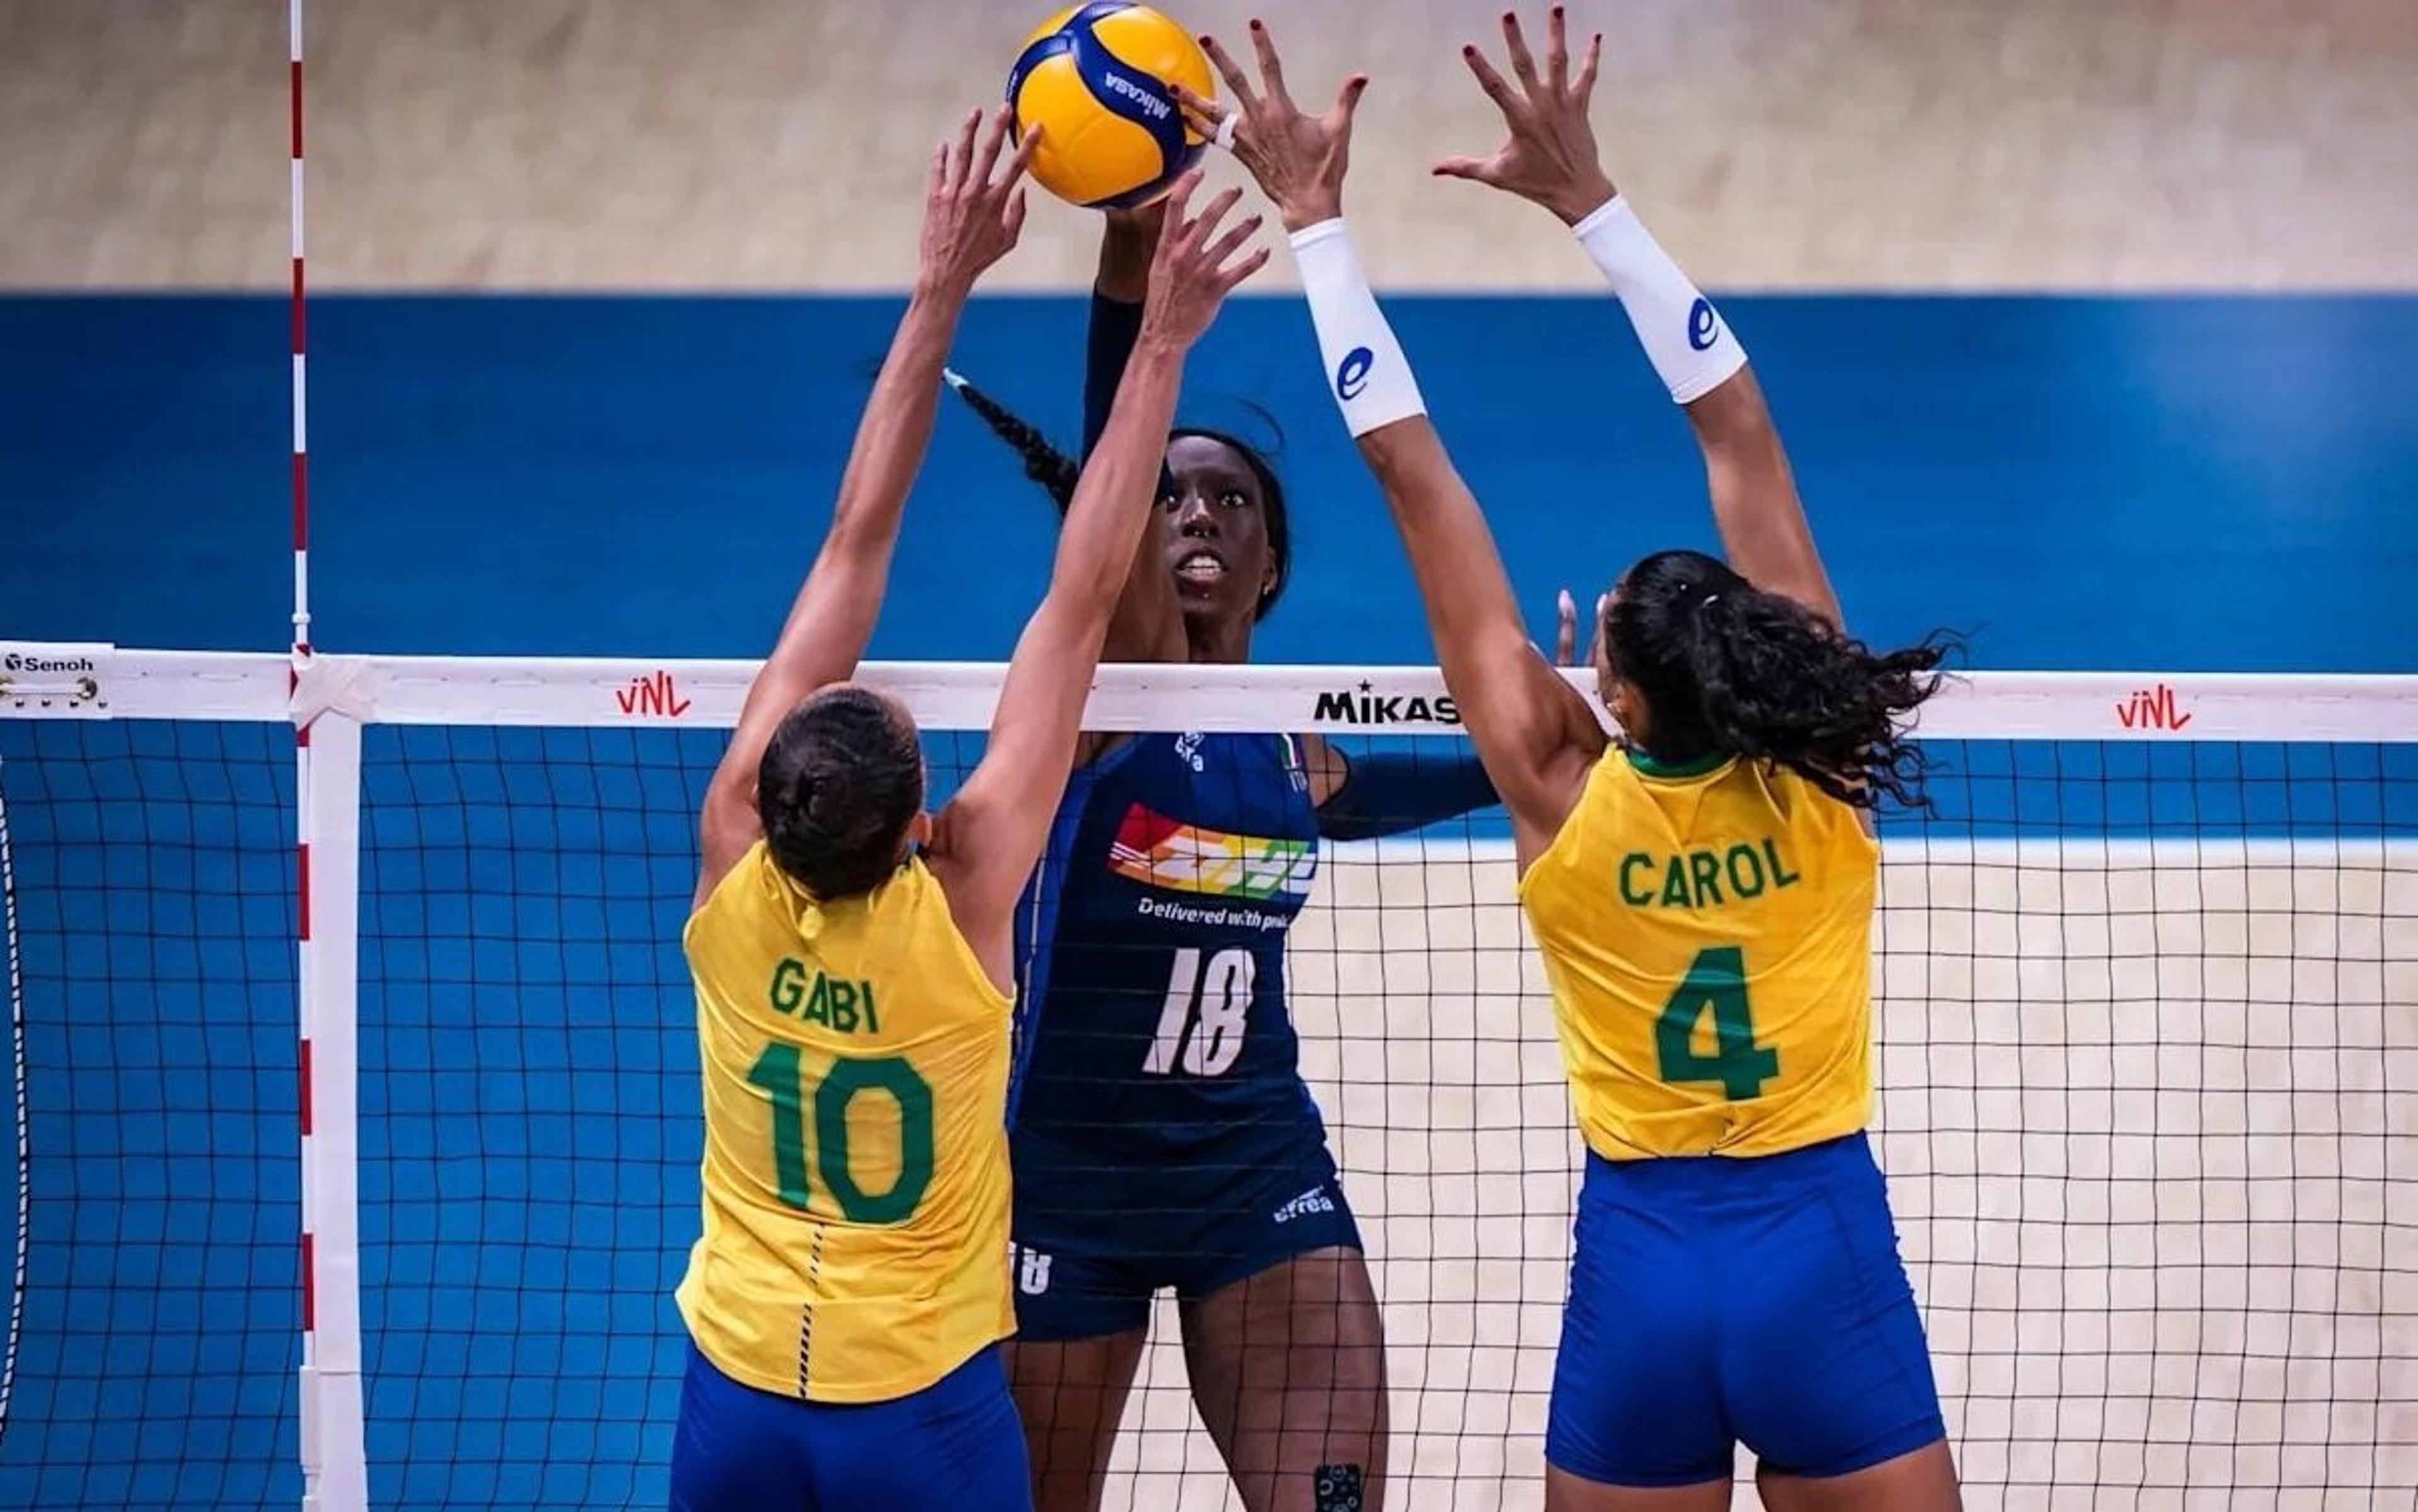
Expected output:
(1365, 370)
(1689, 345)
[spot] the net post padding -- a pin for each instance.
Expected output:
(335, 1473)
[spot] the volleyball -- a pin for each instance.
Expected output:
(1096, 78)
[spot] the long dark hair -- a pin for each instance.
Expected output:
(841, 779)
(1726, 668)
(1057, 473)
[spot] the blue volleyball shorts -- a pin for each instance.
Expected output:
(954, 1446)
(1097, 1238)
(1716, 1301)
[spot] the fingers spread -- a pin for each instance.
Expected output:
(1200, 113)
(1235, 236)
(1233, 75)
(1347, 100)
(1177, 199)
(1583, 88)
(1271, 66)
(1233, 277)
(961, 152)
(993, 136)
(1487, 80)
(1523, 63)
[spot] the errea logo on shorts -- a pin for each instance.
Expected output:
(1032, 1271)
(1316, 1200)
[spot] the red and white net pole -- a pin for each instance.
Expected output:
(327, 774)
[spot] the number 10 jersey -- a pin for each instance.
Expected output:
(855, 1059)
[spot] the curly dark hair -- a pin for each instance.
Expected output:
(1726, 668)
(840, 782)
(1057, 473)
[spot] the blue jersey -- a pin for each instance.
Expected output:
(1151, 950)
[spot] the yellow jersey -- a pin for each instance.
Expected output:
(855, 1057)
(1708, 933)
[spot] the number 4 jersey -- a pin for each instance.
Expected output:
(1708, 933)
(855, 1058)
(1152, 945)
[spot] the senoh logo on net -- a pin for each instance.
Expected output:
(42, 665)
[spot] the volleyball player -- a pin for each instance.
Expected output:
(853, 957)
(1702, 892)
(1163, 1135)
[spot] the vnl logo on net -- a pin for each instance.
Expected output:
(653, 697)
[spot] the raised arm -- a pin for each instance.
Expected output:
(1551, 159)
(971, 215)
(1148, 624)
(986, 841)
(1128, 242)
(1535, 734)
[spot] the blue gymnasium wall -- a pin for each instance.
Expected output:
(2158, 483)
(2166, 483)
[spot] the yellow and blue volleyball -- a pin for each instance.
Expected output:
(1096, 78)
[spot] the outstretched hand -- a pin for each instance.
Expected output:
(1565, 634)
(1298, 160)
(974, 209)
(1551, 156)
(1195, 266)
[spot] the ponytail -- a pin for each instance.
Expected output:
(1726, 668)
(1053, 470)
(840, 781)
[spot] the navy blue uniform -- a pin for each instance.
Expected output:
(1162, 1135)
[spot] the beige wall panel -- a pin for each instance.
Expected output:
(779, 143)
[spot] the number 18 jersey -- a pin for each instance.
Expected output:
(855, 1058)
(1708, 933)
(1152, 952)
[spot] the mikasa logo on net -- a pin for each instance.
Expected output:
(1365, 706)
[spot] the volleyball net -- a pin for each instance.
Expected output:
(2146, 1017)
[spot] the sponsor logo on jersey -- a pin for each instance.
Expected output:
(1316, 1200)
(1156, 851)
(1364, 706)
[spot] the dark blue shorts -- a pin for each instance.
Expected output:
(1097, 1237)
(955, 1444)
(1717, 1301)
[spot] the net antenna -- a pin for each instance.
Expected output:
(327, 752)
(24, 1127)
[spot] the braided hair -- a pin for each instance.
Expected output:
(1057, 472)
(1726, 668)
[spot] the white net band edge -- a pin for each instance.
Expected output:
(44, 681)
